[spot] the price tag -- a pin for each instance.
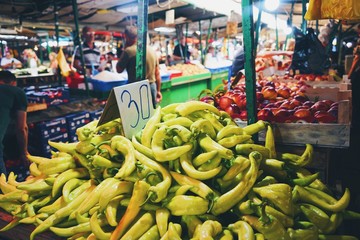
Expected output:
(132, 103)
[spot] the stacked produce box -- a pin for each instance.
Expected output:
(191, 173)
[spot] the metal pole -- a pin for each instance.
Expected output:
(207, 38)
(186, 45)
(248, 31)
(77, 41)
(339, 46)
(290, 24)
(201, 50)
(142, 24)
(56, 17)
(41, 51)
(304, 23)
(276, 32)
(317, 26)
(47, 46)
(258, 26)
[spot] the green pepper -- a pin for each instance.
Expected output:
(208, 230)
(62, 213)
(350, 215)
(335, 221)
(267, 180)
(187, 205)
(182, 132)
(211, 117)
(203, 126)
(190, 170)
(124, 145)
(229, 130)
(304, 181)
(233, 196)
(279, 194)
(271, 228)
(270, 142)
(183, 121)
(138, 197)
(158, 192)
(211, 164)
(169, 154)
(64, 147)
(208, 144)
(243, 230)
(247, 148)
(151, 234)
(150, 128)
(302, 160)
(197, 187)
(191, 222)
(233, 140)
(186, 108)
(307, 232)
(87, 131)
(317, 183)
(174, 231)
(336, 237)
(144, 223)
(141, 148)
(226, 235)
(255, 127)
(315, 215)
(239, 164)
(162, 217)
(204, 157)
(322, 200)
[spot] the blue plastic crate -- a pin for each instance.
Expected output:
(42, 148)
(76, 120)
(48, 129)
(105, 86)
(221, 69)
(95, 115)
(165, 77)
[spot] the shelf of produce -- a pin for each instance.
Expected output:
(33, 107)
(37, 80)
(318, 134)
(22, 231)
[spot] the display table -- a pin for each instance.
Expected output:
(185, 88)
(36, 80)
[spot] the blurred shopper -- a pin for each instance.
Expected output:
(238, 62)
(9, 62)
(110, 57)
(53, 65)
(90, 52)
(13, 106)
(128, 61)
(354, 75)
(181, 53)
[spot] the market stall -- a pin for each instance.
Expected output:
(239, 164)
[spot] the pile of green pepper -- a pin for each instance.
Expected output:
(191, 173)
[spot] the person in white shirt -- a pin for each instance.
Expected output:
(9, 62)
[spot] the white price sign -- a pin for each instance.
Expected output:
(132, 103)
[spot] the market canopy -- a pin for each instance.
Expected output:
(114, 15)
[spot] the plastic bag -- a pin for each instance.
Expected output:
(309, 54)
(333, 9)
(63, 65)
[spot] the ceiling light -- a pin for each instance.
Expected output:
(164, 29)
(271, 5)
(128, 9)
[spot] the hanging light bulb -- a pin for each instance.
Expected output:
(271, 5)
